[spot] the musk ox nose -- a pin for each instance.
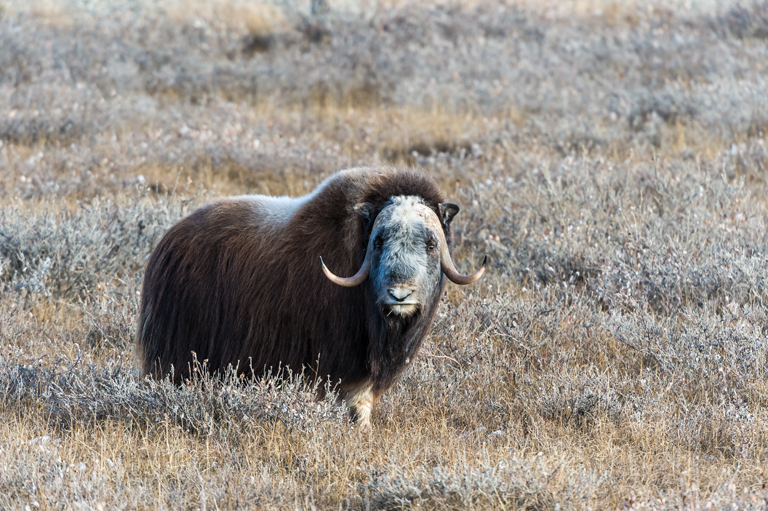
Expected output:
(399, 293)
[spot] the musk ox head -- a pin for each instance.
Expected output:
(406, 256)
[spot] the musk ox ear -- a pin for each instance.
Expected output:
(366, 212)
(364, 209)
(448, 210)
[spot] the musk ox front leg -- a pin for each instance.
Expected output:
(360, 400)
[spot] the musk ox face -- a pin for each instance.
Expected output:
(406, 253)
(405, 260)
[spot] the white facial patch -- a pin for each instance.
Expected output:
(404, 253)
(404, 264)
(406, 210)
(409, 210)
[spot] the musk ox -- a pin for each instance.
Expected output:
(241, 281)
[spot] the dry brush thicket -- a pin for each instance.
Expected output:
(610, 158)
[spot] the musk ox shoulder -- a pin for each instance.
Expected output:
(240, 281)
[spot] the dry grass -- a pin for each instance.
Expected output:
(609, 157)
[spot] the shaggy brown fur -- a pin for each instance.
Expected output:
(239, 282)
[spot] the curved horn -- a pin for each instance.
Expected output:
(450, 270)
(362, 274)
(356, 279)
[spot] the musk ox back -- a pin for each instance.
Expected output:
(239, 282)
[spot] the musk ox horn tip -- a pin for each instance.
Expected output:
(479, 273)
(352, 281)
(328, 273)
(457, 278)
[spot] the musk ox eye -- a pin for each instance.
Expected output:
(430, 247)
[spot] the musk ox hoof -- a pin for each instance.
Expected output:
(362, 417)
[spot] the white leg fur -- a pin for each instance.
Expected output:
(360, 401)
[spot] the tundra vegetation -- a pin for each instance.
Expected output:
(609, 157)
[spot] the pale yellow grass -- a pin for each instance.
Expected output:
(601, 463)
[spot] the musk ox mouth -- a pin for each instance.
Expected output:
(400, 309)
